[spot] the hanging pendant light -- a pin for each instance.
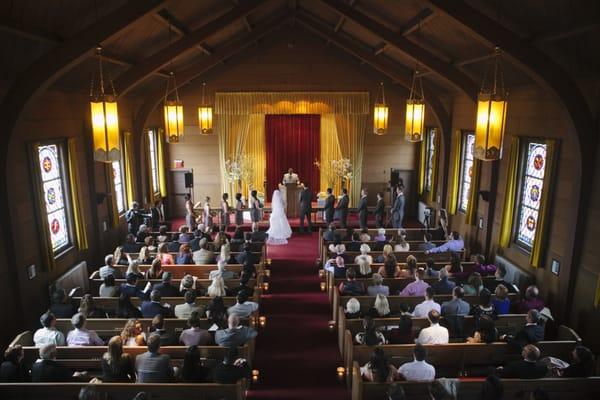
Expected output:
(380, 114)
(105, 118)
(205, 116)
(173, 109)
(491, 115)
(415, 110)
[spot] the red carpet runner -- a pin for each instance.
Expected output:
(296, 353)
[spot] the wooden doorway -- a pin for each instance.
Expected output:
(177, 192)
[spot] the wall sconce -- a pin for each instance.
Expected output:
(341, 371)
(321, 273)
(331, 325)
(255, 375)
(268, 261)
(265, 286)
(323, 286)
(268, 273)
(262, 321)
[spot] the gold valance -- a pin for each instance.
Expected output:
(240, 103)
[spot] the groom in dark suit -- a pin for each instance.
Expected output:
(362, 209)
(379, 211)
(305, 208)
(342, 208)
(329, 206)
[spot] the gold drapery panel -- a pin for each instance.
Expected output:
(162, 164)
(330, 150)
(112, 198)
(128, 161)
(241, 103)
(79, 223)
(510, 194)
(255, 148)
(351, 137)
(232, 130)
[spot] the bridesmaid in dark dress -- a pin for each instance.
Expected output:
(225, 211)
(256, 206)
(239, 210)
(190, 215)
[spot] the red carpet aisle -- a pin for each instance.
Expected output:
(296, 353)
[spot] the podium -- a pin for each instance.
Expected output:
(293, 201)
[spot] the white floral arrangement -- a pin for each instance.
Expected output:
(343, 168)
(239, 169)
(322, 195)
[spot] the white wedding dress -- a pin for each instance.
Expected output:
(279, 227)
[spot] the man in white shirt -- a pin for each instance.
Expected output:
(434, 334)
(183, 311)
(419, 369)
(290, 177)
(48, 334)
(422, 309)
(243, 308)
(80, 336)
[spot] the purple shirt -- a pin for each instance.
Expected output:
(530, 304)
(416, 288)
(485, 270)
(83, 337)
(450, 246)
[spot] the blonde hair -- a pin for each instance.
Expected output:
(364, 248)
(144, 254)
(163, 248)
(225, 252)
(117, 254)
(501, 292)
(387, 250)
(364, 266)
(129, 330)
(133, 267)
(217, 287)
(382, 305)
(352, 306)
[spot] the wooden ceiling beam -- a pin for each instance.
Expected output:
(578, 29)
(417, 21)
(130, 78)
(443, 69)
(169, 20)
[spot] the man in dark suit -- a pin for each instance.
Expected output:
(527, 368)
(232, 368)
(362, 209)
(379, 210)
(531, 333)
(258, 236)
(130, 289)
(329, 206)
(134, 218)
(46, 369)
(500, 276)
(235, 335)
(342, 208)
(153, 307)
(305, 208)
(166, 288)
(158, 327)
(153, 367)
(398, 209)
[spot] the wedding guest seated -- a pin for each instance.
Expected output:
(232, 369)
(190, 283)
(155, 270)
(418, 287)
(192, 370)
(354, 239)
(444, 285)
(153, 367)
(235, 335)
(243, 287)
(132, 334)
(390, 268)
(48, 334)
(142, 233)
(422, 309)
(116, 365)
(243, 308)
(46, 369)
(527, 368)
(184, 234)
(258, 236)
(582, 365)
(134, 268)
(455, 244)
(402, 245)
(419, 369)
(153, 307)
(501, 302)
(381, 308)
(246, 255)
(157, 326)
(204, 255)
(364, 254)
(185, 255)
(484, 308)
(249, 268)
(411, 267)
(216, 312)
(531, 333)
(352, 309)
(531, 300)
(482, 268)
(194, 335)
(62, 305)
(380, 237)
(474, 285)
(456, 306)
(370, 336)
(108, 287)
(163, 235)
(125, 309)
(183, 311)
(455, 268)
(217, 287)
(164, 256)
(108, 268)
(13, 369)
(337, 267)
(222, 272)
(377, 287)
(339, 250)
(166, 288)
(435, 333)
(89, 309)
(351, 287)
(500, 274)
(130, 246)
(426, 245)
(225, 254)
(379, 368)
(149, 244)
(364, 236)
(387, 251)
(238, 236)
(492, 389)
(80, 335)
(195, 242)
(403, 334)
(130, 288)
(430, 269)
(486, 331)
(330, 234)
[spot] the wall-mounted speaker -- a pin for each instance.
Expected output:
(189, 179)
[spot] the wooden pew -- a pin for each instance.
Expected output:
(125, 391)
(401, 255)
(470, 389)
(179, 271)
(94, 283)
(111, 303)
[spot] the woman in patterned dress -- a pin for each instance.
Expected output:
(225, 211)
(256, 206)
(239, 207)
(208, 219)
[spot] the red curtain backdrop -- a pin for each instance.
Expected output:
(293, 141)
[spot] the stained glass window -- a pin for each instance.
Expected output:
(153, 160)
(54, 192)
(466, 170)
(431, 137)
(533, 169)
(118, 181)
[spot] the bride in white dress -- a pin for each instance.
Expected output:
(279, 227)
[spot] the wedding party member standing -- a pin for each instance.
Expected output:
(134, 218)
(239, 210)
(398, 210)
(208, 219)
(329, 206)
(225, 211)
(342, 208)
(255, 206)
(379, 210)
(190, 215)
(362, 209)
(290, 177)
(305, 208)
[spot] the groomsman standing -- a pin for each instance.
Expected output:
(379, 210)
(398, 209)
(329, 206)
(305, 208)
(342, 208)
(362, 209)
